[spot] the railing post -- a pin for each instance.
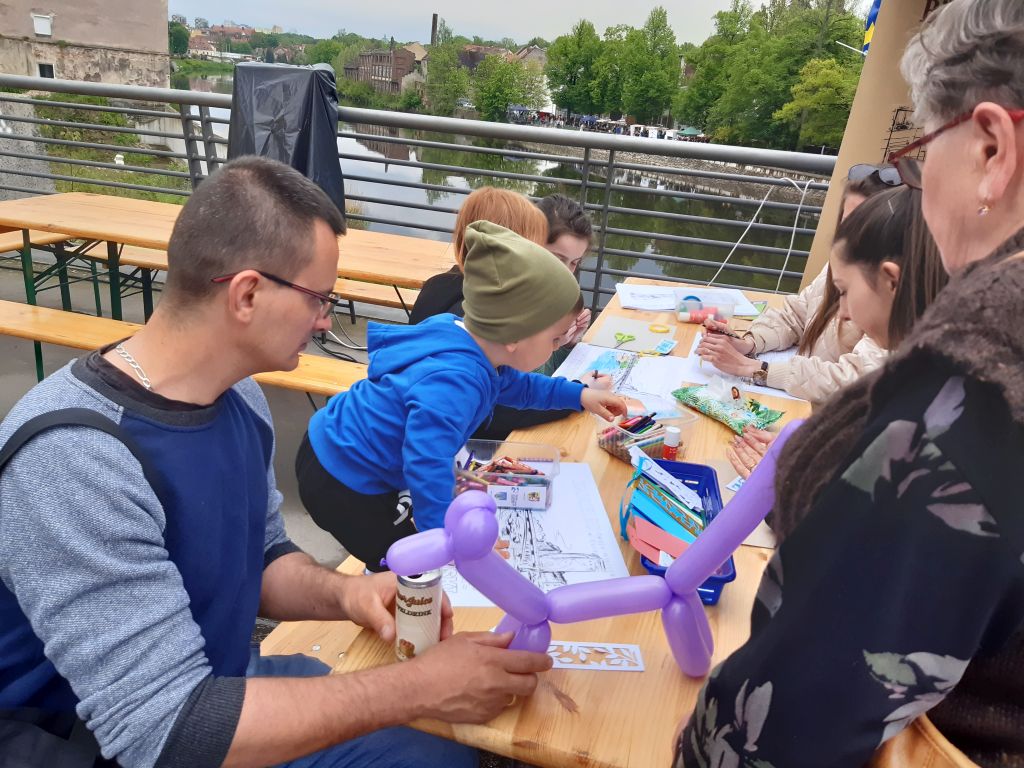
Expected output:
(599, 267)
(213, 160)
(586, 177)
(195, 166)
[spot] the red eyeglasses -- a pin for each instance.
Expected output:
(328, 301)
(910, 168)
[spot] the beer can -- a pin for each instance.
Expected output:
(417, 614)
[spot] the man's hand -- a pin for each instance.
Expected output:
(471, 677)
(721, 353)
(369, 601)
(605, 404)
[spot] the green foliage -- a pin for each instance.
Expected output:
(447, 81)
(264, 40)
(570, 68)
(410, 101)
(745, 74)
(83, 174)
(498, 83)
(242, 47)
(197, 67)
(651, 68)
(821, 102)
(540, 42)
(323, 52)
(177, 38)
(609, 72)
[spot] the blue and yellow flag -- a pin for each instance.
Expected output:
(869, 25)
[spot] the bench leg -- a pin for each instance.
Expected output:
(96, 288)
(114, 273)
(147, 293)
(28, 273)
(62, 275)
(352, 311)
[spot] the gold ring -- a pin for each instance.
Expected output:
(512, 701)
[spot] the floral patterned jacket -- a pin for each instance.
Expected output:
(910, 565)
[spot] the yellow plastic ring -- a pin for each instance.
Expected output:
(658, 328)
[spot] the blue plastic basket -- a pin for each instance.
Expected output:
(703, 480)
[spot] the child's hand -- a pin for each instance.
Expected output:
(605, 404)
(596, 380)
(581, 324)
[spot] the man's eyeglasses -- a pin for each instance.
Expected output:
(328, 301)
(887, 174)
(910, 168)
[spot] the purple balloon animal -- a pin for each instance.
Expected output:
(471, 531)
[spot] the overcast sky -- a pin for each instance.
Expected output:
(410, 20)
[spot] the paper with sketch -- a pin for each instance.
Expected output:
(648, 380)
(652, 298)
(663, 298)
(695, 373)
(571, 542)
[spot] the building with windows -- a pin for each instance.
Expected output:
(107, 41)
(384, 70)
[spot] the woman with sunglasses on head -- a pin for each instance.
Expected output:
(890, 620)
(831, 352)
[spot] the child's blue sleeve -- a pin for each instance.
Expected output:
(440, 409)
(532, 390)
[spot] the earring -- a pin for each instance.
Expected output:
(983, 209)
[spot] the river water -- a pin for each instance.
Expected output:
(374, 161)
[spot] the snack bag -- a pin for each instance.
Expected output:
(725, 403)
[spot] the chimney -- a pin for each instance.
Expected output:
(433, 31)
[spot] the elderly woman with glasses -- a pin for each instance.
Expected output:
(889, 625)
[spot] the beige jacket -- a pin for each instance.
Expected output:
(841, 354)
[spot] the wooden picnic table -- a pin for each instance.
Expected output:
(624, 719)
(373, 257)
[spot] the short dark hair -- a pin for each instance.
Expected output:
(889, 226)
(565, 217)
(253, 213)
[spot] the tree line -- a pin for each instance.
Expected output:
(773, 77)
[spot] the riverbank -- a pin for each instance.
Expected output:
(747, 189)
(201, 67)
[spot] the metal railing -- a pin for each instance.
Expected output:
(667, 209)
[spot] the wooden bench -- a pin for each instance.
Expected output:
(11, 239)
(315, 374)
(351, 290)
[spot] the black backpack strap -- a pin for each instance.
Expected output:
(77, 417)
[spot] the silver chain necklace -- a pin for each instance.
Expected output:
(134, 366)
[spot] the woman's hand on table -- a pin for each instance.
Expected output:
(745, 344)
(746, 450)
(720, 351)
(602, 403)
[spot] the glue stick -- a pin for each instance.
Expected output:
(671, 447)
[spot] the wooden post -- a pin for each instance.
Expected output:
(881, 119)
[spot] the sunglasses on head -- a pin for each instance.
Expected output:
(887, 174)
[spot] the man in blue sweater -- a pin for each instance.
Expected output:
(129, 586)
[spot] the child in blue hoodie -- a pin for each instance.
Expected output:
(387, 446)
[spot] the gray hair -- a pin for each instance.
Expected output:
(967, 52)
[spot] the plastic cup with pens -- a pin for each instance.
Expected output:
(646, 432)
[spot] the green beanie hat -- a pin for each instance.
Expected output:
(513, 288)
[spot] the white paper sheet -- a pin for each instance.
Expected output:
(695, 373)
(663, 298)
(650, 380)
(571, 542)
